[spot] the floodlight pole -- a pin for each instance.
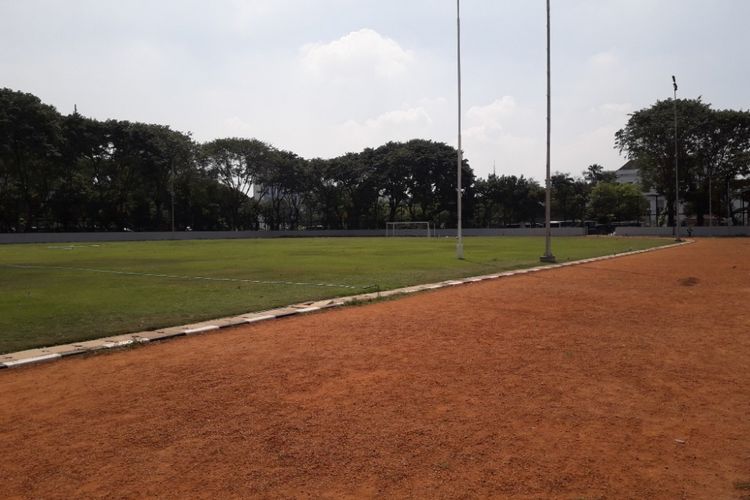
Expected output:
(676, 172)
(460, 239)
(548, 256)
(171, 192)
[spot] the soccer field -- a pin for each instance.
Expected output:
(56, 293)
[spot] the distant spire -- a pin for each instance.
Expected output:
(75, 109)
(494, 172)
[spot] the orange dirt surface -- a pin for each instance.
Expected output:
(627, 378)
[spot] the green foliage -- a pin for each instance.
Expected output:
(238, 164)
(711, 145)
(569, 197)
(60, 302)
(595, 174)
(507, 200)
(71, 173)
(611, 202)
(30, 138)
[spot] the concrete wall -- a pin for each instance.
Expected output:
(7, 238)
(538, 231)
(699, 231)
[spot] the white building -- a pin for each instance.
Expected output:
(657, 202)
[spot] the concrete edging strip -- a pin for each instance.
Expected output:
(30, 361)
(200, 329)
(31, 356)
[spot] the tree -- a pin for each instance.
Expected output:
(29, 147)
(393, 175)
(723, 153)
(76, 173)
(365, 194)
(280, 183)
(581, 192)
(238, 164)
(527, 200)
(433, 183)
(649, 138)
(331, 197)
(612, 202)
(507, 200)
(488, 198)
(595, 174)
(562, 195)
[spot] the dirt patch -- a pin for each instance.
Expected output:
(609, 379)
(690, 281)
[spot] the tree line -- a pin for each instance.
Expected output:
(711, 150)
(73, 173)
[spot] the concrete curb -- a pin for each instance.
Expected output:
(48, 354)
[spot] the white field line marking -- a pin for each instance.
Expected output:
(183, 277)
(70, 247)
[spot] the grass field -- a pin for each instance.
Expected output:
(57, 293)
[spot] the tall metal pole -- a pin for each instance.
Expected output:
(171, 189)
(548, 257)
(676, 172)
(710, 201)
(460, 240)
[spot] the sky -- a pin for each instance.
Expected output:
(326, 77)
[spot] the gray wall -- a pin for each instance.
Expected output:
(702, 231)
(539, 231)
(7, 238)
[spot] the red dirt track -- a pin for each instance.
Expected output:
(627, 378)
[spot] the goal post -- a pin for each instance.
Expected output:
(414, 228)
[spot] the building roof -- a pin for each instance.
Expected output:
(630, 165)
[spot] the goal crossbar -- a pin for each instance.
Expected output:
(414, 228)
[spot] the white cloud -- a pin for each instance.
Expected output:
(245, 13)
(594, 145)
(502, 117)
(613, 108)
(362, 53)
(234, 126)
(398, 117)
(505, 134)
(493, 114)
(603, 60)
(394, 125)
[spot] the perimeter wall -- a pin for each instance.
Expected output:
(7, 238)
(698, 231)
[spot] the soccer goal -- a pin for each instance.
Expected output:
(418, 228)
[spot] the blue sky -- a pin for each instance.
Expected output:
(324, 77)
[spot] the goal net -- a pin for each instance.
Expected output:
(419, 228)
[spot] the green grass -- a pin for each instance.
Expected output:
(57, 302)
